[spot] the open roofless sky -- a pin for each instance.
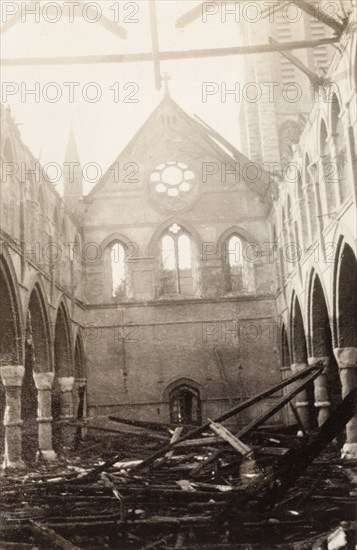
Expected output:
(103, 128)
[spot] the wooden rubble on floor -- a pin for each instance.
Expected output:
(207, 488)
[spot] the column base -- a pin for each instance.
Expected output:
(14, 464)
(349, 450)
(48, 456)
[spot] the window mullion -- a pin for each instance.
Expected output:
(177, 266)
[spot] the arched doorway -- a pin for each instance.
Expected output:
(61, 403)
(327, 385)
(37, 360)
(185, 405)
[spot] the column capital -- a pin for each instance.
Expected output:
(43, 380)
(346, 357)
(12, 375)
(65, 383)
(81, 382)
(297, 367)
(325, 360)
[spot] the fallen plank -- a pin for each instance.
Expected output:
(316, 369)
(227, 436)
(271, 486)
(159, 426)
(50, 538)
(249, 428)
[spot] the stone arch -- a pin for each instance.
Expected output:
(41, 333)
(63, 343)
(304, 401)
(188, 227)
(246, 235)
(11, 348)
(37, 360)
(319, 318)
(327, 385)
(297, 338)
(113, 237)
(62, 403)
(345, 294)
(345, 284)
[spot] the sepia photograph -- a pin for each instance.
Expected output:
(178, 275)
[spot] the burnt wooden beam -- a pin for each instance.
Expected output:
(314, 78)
(271, 486)
(155, 44)
(249, 428)
(228, 414)
(169, 55)
(50, 538)
(319, 14)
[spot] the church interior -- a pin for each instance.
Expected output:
(195, 281)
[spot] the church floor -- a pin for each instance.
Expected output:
(72, 504)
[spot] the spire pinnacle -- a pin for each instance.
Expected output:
(166, 79)
(72, 149)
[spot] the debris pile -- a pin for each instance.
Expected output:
(205, 488)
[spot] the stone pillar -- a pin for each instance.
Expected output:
(12, 376)
(347, 362)
(65, 384)
(322, 401)
(302, 402)
(43, 382)
(80, 411)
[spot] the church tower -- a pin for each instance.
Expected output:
(72, 178)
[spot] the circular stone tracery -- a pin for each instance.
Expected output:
(172, 184)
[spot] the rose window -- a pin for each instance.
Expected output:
(172, 183)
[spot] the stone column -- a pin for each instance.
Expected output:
(80, 412)
(302, 402)
(65, 384)
(347, 362)
(322, 401)
(12, 376)
(43, 382)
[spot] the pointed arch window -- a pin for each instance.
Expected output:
(238, 272)
(176, 261)
(118, 270)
